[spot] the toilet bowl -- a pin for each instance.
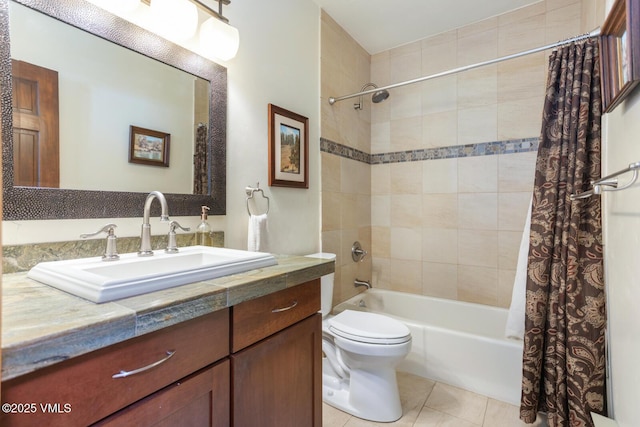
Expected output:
(360, 353)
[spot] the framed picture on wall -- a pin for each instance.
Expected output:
(620, 53)
(288, 148)
(148, 147)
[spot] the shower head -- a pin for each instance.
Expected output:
(380, 96)
(377, 96)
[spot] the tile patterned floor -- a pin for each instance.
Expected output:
(427, 403)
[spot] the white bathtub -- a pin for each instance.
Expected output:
(457, 343)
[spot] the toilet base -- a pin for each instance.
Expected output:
(367, 395)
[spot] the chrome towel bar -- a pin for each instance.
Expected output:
(610, 182)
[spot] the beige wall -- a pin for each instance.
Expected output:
(621, 217)
(621, 226)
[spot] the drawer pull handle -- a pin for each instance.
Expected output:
(124, 374)
(280, 310)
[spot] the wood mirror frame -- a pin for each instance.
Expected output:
(30, 203)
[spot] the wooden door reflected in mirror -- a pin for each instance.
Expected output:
(35, 126)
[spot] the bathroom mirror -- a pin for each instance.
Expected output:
(53, 203)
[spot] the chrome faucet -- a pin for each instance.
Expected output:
(364, 283)
(145, 236)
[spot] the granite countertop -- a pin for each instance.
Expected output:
(42, 325)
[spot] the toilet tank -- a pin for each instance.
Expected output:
(326, 285)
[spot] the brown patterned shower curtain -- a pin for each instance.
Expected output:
(564, 341)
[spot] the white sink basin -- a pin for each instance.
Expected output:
(101, 281)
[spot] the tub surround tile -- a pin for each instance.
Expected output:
(478, 175)
(406, 210)
(443, 46)
(403, 275)
(381, 180)
(512, 210)
(381, 242)
(406, 244)
(440, 211)
(478, 248)
(508, 249)
(521, 34)
(381, 211)
(405, 178)
(440, 129)
(440, 245)
(516, 172)
(331, 178)
(43, 325)
(478, 211)
(478, 87)
(440, 176)
(439, 95)
(513, 115)
(523, 77)
(440, 280)
(522, 13)
(478, 284)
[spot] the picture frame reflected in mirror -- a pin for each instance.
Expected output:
(148, 147)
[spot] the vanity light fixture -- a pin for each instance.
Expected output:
(218, 39)
(177, 21)
(174, 19)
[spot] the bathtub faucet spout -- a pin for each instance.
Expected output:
(364, 283)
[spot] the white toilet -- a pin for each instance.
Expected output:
(361, 351)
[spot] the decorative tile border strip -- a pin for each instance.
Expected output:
(510, 146)
(331, 147)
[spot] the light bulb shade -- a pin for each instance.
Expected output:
(218, 39)
(174, 19)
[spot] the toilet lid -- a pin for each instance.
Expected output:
(369, 328)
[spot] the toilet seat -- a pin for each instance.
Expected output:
(369, 328)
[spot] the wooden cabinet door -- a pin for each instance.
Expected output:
(36, 157)
(201, 399)
(278, 381)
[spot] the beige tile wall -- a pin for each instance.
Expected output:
(451, 227)
(346, 184)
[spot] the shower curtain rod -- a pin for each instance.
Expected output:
(594, 33)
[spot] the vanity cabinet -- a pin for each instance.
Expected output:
(276, 364)
(82, 390)
(258, 363)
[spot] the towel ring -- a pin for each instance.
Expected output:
(250, 192)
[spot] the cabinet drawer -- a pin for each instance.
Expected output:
(202, 399)
(84, 387)
(257, 319)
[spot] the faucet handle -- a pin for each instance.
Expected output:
(172, 246)
(111, 252)
(357, 253)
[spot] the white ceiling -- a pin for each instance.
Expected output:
(379, 25)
